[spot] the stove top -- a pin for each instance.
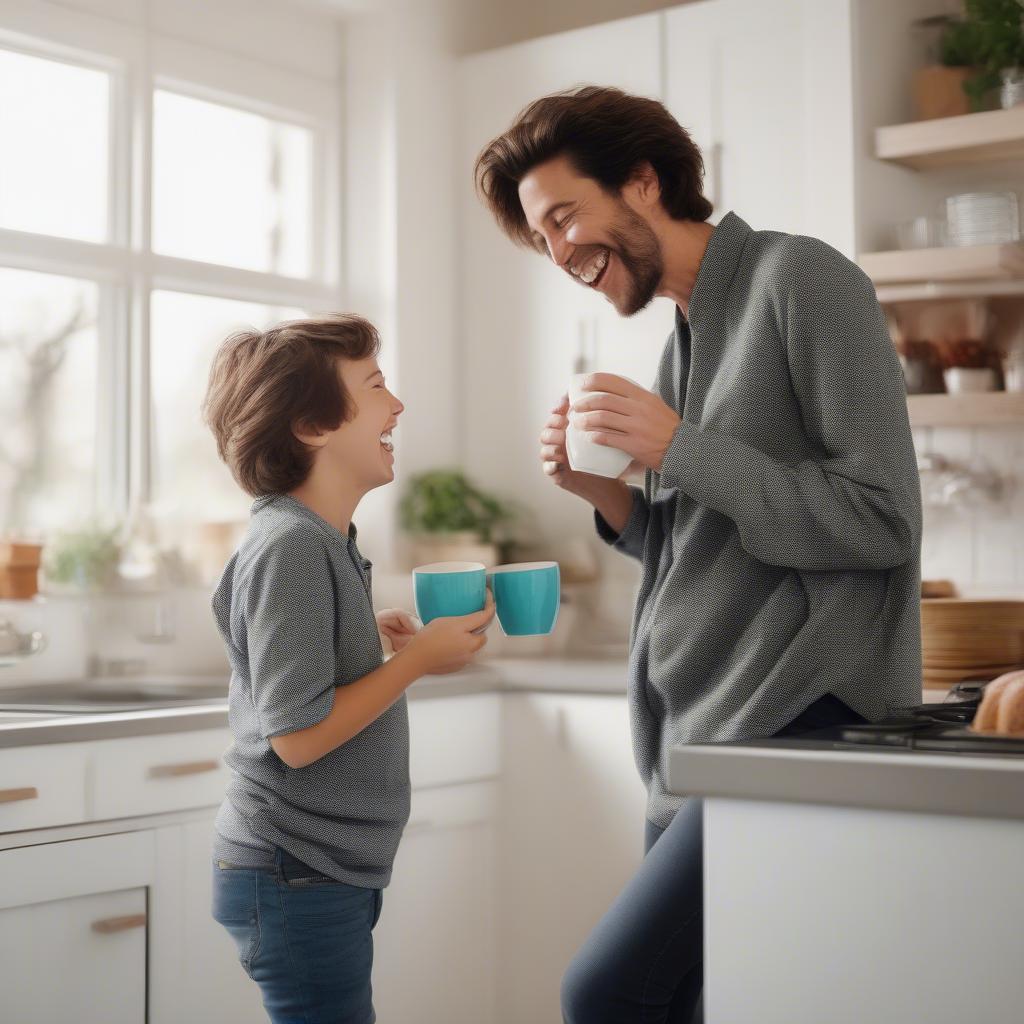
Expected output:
(926, 728)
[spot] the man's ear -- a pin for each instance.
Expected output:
(643, 184)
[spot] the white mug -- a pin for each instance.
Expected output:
(584, 455)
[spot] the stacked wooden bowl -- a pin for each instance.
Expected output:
(970, 638)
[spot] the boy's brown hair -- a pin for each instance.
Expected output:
(605, 134)
(265, 384)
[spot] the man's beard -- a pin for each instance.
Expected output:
(639, 251)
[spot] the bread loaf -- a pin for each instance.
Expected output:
(990, 715)
(1011, 708)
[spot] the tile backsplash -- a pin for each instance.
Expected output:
(981, 549)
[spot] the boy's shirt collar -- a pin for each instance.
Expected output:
(304, 510)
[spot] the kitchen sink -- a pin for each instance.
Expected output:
(96, 696)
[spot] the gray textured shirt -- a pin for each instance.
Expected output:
(294, 608)
(780, 543)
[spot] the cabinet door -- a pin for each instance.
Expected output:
(209, 983)
(73, 930)
(766, 88)
(523, 320)
(434, 946)
(571, 835)
(65, 958)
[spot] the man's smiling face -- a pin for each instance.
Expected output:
(593, 235)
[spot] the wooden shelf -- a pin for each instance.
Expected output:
(950, 263)
(989, 408)
(948, 141)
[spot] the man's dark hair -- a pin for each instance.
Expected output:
(606, 134)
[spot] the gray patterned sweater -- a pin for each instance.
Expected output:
(780, 544)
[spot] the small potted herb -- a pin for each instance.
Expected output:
(939, 85)
(83, 561)
(447, 518)
(986, 47)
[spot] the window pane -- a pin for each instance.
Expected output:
(48, 382)
(190, 483)
(54, 127)
(230, 187)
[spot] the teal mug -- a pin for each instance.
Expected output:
(449, 588)
(526, 596)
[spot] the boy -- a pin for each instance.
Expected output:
(308, 830)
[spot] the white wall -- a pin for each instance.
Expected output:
(400, 236)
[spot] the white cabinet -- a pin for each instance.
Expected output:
(194, 970)
(435, 944)
(73, 930)
(571, 834)
(523, 319)
(765, 86)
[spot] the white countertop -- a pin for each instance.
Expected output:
(538, 675)
(957, 784)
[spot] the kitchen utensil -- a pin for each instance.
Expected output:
(982, 218)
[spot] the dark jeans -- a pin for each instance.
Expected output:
(304, 938)
(643, 962)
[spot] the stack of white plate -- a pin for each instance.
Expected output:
(982, 218)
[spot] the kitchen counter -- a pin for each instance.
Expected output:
(835, 881)
(546, 675)
(983, 786)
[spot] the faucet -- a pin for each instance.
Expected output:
(15, 646)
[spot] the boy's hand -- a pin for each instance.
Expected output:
(398, 626)
(448, 644)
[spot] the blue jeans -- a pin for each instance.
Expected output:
(643, 962)
(304, 938)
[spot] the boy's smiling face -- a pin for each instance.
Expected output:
(361, 448)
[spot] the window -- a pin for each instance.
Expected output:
(54, 130)
(48, 397)
(154, 197)
(230, 186)
(190, 483)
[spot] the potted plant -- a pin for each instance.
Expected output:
(19, 569)
(968, 366)
(939, 86)
(447, 518)
(83, 560)
(988, 41)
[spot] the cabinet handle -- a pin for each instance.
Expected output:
(10, 796)
(173, 771)
(109, 925)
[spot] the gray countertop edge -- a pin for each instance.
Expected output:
(984, 786)
(499, 676)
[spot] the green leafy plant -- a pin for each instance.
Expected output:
(444, 501)
(987, 39)
(84, 558)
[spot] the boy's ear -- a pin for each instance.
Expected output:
(308, 435)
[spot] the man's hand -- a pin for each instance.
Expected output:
(398, 626)
(627, 417)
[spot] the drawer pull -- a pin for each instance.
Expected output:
(10, 796)
(173, 771)
(110, 925)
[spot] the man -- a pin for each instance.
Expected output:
(779, 524)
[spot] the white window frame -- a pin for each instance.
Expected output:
(140, 61)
